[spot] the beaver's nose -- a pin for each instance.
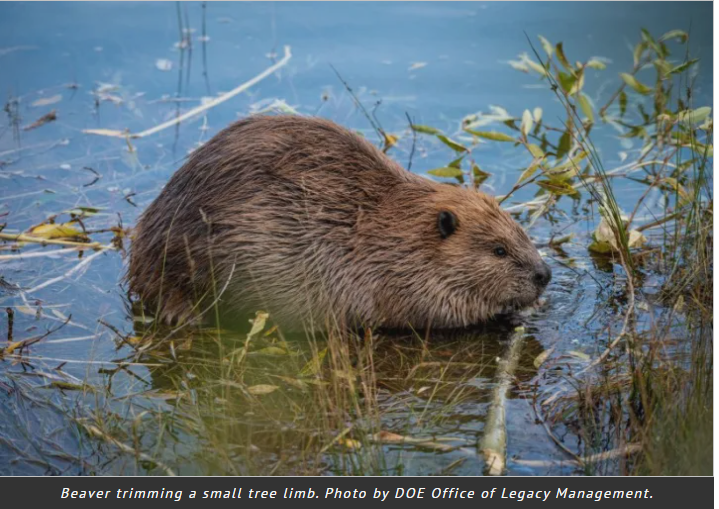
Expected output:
(542, 275)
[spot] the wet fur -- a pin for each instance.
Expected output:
(313, 221)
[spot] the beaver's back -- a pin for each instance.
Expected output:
(270, 207)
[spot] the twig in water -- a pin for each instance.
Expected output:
(88, 362)
(10, 319)
(40, 253)
(67, 274)
(658, 222)
(414, 142)
(375, 126)
(120, 335)
(48, 117)
(494, 440)
(20, 345)
(199, 109)
(97, 176)
(551, 435)
(587, 460)
(23, 237)
(97, 432)
(613, 344)
(625, 323)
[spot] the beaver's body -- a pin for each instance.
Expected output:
(306, 220)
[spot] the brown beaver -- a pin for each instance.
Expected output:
(309, 221)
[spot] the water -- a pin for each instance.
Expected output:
(119, 66)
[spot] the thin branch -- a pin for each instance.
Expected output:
(414, 142)
(42, 254)
(23, 237)
(195, 111)
(377, 128)
(97, 432)
(67, 274)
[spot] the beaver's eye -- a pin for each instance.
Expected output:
(500, 251)
(447, 223)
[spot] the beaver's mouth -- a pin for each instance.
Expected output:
(511, 307)
(516, 304)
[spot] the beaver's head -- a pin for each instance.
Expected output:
(493, 255)
(457, 259)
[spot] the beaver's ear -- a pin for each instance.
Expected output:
(446, 223)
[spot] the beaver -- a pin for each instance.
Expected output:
(310, 222)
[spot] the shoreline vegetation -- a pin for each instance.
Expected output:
(207, 399)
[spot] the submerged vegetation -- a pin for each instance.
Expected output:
(633, 398)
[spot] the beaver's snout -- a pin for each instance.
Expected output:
(542, 275)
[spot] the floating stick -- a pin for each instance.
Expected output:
(195, 111)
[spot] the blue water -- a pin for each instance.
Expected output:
(436, 62)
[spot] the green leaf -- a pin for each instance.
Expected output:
(578, 83)
(596, 64)
(622, 103)
(535, 150)
(647, 37)
(605, 238)
(565, 142)
(537, 114)
(557, 187)
(519, 65)
(258, 324)
(681, 137)
(390, 140)
(567, 81)
(635, 132)
(425, 129)
(681, 35)
(665, 50)
(548, 48)
(530, 171)
(314, 364)
(446, 172)
(491, 135)
(635, 84)
(527, 123)
(707, 125)
(479, 174)
(535, 66)
(452, 144)
(703, 149)
(639, 52)
(511, 124)
(684, 196)
(580, 355)
(84, 211)
(586, 107)
(682, 67)
(56, 231)
(562, 58)
(260, 389)
(636, 239)
(567, 169)
(663, 67)
(691, 117)
(68, 386)
(457, 163)
(600, 247)
(698, 148)
(686, 164)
